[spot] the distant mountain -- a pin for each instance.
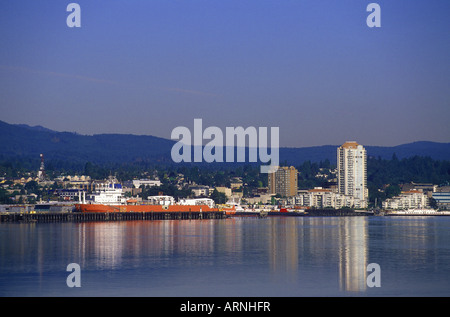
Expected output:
(34, 128)
(23, 141)
(18, 141)
(437, 151)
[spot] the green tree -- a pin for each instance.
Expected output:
(392, 191)
(32, 187)
(433, 203)
(4, 197)
(218, 197)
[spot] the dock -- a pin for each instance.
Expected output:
(107, 216)
(338, 213)
(305, 213)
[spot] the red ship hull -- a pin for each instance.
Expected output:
(142, 208)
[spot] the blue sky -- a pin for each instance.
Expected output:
(311, 67)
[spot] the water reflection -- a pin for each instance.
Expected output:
(353, 253)
(273, 256)
(415, 242)
(287, 247)
(113, 244)
(321, 242)
(283, 246)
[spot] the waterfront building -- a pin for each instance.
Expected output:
(425, 187)
(284, 181)
(442, 197)
(68, 194)
(352, 172)
(413, 199)
(325, 198)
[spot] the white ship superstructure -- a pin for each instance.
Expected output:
(163, 200)
(197, 201)
(107, 194)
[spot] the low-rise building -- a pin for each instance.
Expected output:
(236, 183)
(424, 187)
(259, 199)
(225, 190)
(200, 190)
(69, 194)
(326, 198)
(442, 197)
(412, 199)
(146, 182)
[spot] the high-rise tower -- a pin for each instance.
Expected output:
(352, 172)
(283, 181)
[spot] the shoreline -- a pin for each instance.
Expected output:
(23, 214)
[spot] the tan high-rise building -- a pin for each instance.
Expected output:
(283, 181)
(352, 172)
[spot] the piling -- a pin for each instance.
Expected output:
(108, 216)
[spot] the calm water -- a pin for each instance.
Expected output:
(320, 256)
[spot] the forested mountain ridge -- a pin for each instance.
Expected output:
(26, 143)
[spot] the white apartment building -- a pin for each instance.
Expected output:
(352, 172)
(413, 199)
(323, 198)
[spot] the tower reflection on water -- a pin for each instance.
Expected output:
(323, 242)
(275, 256)
(289, 247)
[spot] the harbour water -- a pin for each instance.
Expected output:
(251, 257)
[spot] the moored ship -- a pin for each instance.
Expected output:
(417, 212)
(109, 198)
(142, 208)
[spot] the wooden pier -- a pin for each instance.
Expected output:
(107, 216)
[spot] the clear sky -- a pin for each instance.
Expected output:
(311, 67)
